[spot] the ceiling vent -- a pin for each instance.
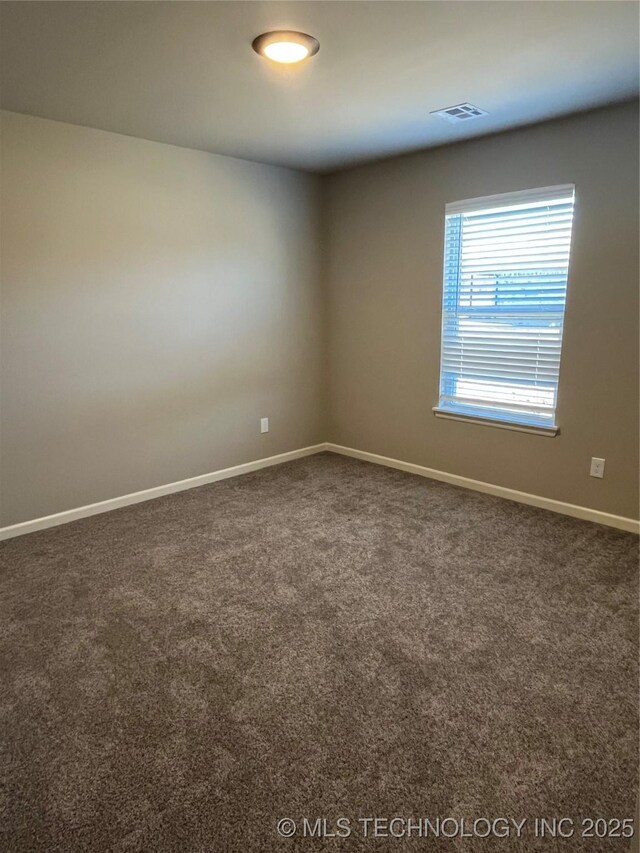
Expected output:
(461, 112)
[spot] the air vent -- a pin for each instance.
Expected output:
(461, 112)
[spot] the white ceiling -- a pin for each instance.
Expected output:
(184, 72)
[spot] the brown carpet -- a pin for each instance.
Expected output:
(326, 638)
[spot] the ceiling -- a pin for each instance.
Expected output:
(184, 72)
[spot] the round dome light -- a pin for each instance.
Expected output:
(286, 46)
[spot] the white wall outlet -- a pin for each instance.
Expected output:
(597, 467)
(264, 425)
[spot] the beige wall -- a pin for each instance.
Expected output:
(384, 241)
(156, 302)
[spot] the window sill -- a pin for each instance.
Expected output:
(549, 431)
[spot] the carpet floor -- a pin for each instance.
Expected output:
(322, 639)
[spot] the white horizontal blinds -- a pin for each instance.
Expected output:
(506, 261)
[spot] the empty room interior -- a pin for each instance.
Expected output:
(319, 398)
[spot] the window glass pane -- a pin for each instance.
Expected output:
(505, 283)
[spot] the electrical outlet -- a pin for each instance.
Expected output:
(597, 467)
(264, 424)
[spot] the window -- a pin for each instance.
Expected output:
(506, 260)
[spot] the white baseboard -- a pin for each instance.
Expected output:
(622, 523)
(619, 521)
(157, 492)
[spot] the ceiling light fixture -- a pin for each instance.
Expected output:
(286, 46)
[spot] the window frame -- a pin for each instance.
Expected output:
(539, 194)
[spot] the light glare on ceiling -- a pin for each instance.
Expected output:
(286, 47)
